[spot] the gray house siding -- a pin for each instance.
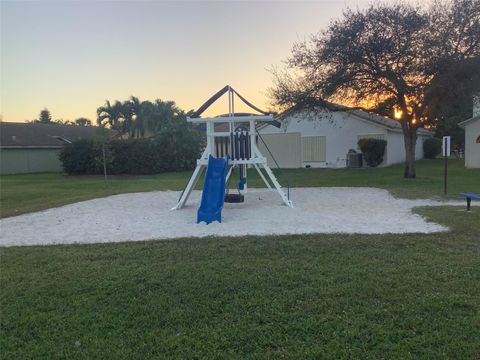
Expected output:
(29, 160)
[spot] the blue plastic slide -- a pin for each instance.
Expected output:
(213, 194)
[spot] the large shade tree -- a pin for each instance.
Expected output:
(385, 59)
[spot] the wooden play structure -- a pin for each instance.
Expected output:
(226, 150)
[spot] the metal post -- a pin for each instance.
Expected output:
(229, 102)
(233, 103)
(104, 164)
(232, 113)
(446, 166)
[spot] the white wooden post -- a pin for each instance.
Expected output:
(190, 186)
(263, 177)
(272, 177)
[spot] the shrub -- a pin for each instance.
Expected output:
(182, 141)
(134, 156)
(79, 157)
(373, 150)
(176, 147)
(432, 147)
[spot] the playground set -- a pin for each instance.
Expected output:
(225, 151)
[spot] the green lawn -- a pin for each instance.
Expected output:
(316, 296)
(25, 193)
(410, 296)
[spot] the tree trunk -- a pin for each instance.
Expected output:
(410, 139)
(104, 165)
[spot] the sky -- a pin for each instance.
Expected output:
(70, 57)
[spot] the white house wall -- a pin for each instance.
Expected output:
(419, 146)
(341, 132)
(395, 152)
(396, 147)
(472, 148)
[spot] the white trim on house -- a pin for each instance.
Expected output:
(468, 121)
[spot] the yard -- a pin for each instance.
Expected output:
(303, 296)
(32, 192)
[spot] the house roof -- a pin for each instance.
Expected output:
(35, 135)
(468, 121)
(378, 120)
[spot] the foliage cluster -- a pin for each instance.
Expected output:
(80, 157)
(45, 117)
(175, 147)
(431, 148)
(373, 150)
(136, 118)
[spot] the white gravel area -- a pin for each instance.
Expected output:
(144, 216)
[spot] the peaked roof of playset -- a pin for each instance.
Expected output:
(219, 94)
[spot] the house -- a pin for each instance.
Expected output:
(323, 138)
(472, 136)
(34, 147)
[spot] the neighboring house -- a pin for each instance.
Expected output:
(323, 139)
(472, 136)
(29, 148)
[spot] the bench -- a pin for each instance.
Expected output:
(469, 196)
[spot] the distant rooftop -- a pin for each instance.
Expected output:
(19, 135)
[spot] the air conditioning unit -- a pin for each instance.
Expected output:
(354, 159)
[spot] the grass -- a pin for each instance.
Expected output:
(32, 192)
(316, 296)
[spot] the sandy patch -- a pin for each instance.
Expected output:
(144, 216)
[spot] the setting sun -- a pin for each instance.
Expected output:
(397, 114)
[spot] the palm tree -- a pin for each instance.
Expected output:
(139, 115)
(146, 111)
(164, 112)
(129, 112)
(111, 115)
(136, 106)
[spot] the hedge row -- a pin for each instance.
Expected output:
(132, 156)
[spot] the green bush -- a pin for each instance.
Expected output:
(432, 147)
(373, 150)
(134, 156)
(176, 147)
(79, 157)
(182, 141)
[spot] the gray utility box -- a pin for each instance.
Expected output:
(354, 160)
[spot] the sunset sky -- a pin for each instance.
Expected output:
(72, 56)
